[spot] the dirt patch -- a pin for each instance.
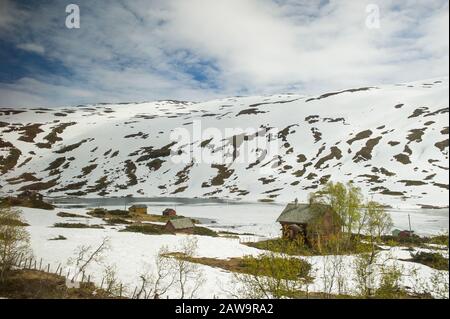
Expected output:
(71, 147)
(335, 153)
(29, 132)
(323, 96)
(252, 111)
(183, 175)
(33, 284)
(360, 136)
(365, 153)
(151, 153)
(412, 182)
(40, 185)
(415, 135)
(53, 136)
(402, 158)
(9, 162)
(55, 164)
(25, 177)
(442, 145)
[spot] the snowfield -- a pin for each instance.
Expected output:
(390, 140)
(133, 253)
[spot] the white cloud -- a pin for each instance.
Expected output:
(199, 49)
(32, 47)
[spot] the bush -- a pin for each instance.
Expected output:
(433, 260)
(149, 229)
(76, 225)
(14, 240)
(203, 231)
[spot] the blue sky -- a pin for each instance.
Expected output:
(141, 50)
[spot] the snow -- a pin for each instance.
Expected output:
(339, 118)
(134, 253)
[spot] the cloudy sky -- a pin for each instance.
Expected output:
(142, 50)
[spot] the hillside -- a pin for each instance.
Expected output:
(392, 141)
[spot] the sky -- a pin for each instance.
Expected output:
(196, 50)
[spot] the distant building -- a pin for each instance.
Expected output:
(169, 212)
(180, 225)
(138, 209)
(396, 232)
(406, 233)
(30, 195)
(402, 233)
(311, 223)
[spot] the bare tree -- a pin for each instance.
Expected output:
(14, 240)
(112, 284)
(188, 276)
(86, 255)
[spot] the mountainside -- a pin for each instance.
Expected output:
(392, 141)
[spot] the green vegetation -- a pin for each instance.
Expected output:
(76, 225)
(116, 220)
(260, 266)
(433, 260)
(14, 241)
(148, 229)
(33, 284)
(59, 237)
(30, 203)
(203, 231)
(152, 229)
(71, 215)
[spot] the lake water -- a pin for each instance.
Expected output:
(255, 218)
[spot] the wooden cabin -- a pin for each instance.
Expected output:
(138, 209)
(310, 223)
(169, 212)
(30, 195)
(180, 225)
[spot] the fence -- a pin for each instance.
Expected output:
(31, 263)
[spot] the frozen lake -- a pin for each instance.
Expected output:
(256, 218)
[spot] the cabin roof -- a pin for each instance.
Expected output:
(298, 214)
(181, 223)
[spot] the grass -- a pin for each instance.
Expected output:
(116, 220)
(59, 237)
(433, 260)
(76, 225)
(70, 215)
(416, 241)
(152, 229)
(203, 231)
(298, 248)
(103, 213)
(249, 265)
(33, 284)
(148, 229)
(4, 221)
(30, 203)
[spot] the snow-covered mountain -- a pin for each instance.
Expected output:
(392, 141)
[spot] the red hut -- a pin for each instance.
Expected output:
(169, 212)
